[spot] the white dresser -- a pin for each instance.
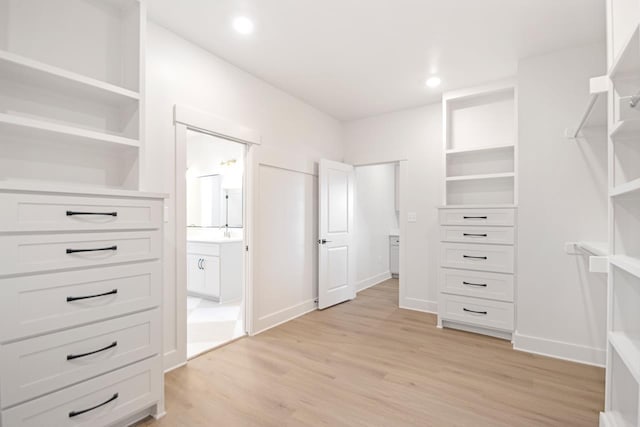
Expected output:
(80, 307)
(477, 269)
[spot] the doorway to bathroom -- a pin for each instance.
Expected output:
(215, 236)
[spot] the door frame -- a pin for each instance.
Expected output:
(187, 118)
(403, 175)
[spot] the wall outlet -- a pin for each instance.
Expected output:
(412, 217)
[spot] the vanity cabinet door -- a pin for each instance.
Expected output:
(211, 268)
(195, 274)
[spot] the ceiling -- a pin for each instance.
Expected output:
(357, 58)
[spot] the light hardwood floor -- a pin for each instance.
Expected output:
(369, 363)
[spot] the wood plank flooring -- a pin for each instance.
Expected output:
(369, 363)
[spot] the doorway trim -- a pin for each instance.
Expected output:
(402, 186)
(187, 118)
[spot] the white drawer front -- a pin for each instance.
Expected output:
(212, 249)
(477, 284)
(37, 366)
(481, 216)
(126, 391)
(494, 258)
(474, 311)
(31, 305)
(33, 253)
(35, 212)
(488, 235)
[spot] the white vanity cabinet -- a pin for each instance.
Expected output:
(214, 269)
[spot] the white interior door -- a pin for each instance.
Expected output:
(336, 252)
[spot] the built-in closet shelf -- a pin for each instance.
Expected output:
(597, 251)
(626, 188)
(480, 177)
(628, 61)
(626, 129)
(479, 149)
(594, 248)
(19, 69)
(39, 129)
(629, 264)
(628, 348)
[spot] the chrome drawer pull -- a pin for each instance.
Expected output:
(474, 257)
(474, 235)
(474, 217)
(484, 285)
(112, 292)
(78, 356)
(72, 213)
(84, 411)
(473, 311)
(110, 248)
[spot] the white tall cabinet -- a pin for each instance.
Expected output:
(622, 401)
(80, 245)
(478, 220)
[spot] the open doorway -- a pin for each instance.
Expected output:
(377, 225)
(214, 241)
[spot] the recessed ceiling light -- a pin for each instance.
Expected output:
(434, 81)
(243, 25)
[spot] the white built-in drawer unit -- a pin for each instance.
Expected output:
(477, 269)
(80, 307)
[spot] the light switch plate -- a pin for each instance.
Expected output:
(412, 217)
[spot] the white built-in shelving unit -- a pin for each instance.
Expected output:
(622, 402)
(480, 145)
(477, 279)
(72, 91)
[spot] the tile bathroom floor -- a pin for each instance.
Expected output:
(211, 324)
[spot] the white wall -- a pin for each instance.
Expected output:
(414, 135)
(375, 217)
(294, 136)
(563, 197)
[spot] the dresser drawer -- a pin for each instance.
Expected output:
(22, 254)
(474, 311)
(40, 365)
(36, 212)
(475, 234)
(494, 258)
(198, 248)
(112, 396)
(480, 216)
(477, 284)
(32, 305)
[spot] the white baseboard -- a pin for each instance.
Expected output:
(560, 350)
(372, 281)
(419, 305)
(272, 320)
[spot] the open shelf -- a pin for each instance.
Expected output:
(626, 188)
(628, 348)
(42, 130)
(481, 176)
(21, 70)
(626, 263)
(628, 61)
(626, 129)
(480, 149)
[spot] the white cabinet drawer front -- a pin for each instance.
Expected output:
(211, 249)
(37, 366)
(33, 212)
(492, 258)
(474, 311)
(477, 284)
(488, 235)
(31, 305)
(113, 396)
(46, 252)
(481, 216)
